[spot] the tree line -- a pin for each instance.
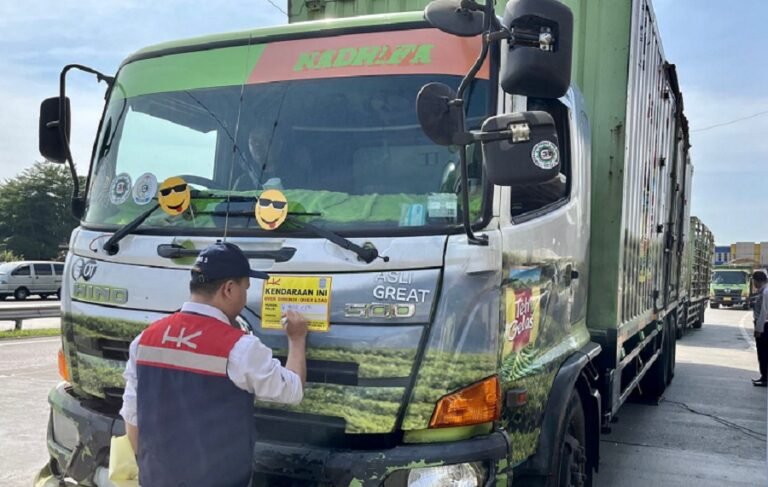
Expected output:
(35, 213)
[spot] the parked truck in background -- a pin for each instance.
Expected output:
(731, 285)
(699, 244)
(495, 289)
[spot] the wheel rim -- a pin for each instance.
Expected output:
(21, 294)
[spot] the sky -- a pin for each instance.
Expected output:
(719, 49)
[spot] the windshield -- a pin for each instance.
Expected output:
(347, 152)
(730, 277)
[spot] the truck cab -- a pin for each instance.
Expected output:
(429, 178)
(731, 286)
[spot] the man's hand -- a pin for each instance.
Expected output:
(296, 326)
(296, 330)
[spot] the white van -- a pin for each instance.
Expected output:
(22, 279)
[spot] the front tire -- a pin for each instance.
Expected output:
(714, 305)
(573, 468)
(570, 466)
(21, 294)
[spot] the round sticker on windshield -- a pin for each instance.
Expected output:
(545, 155)
(145, 189)
(120, 189)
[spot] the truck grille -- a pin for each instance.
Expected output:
(731, 293)
(103, 347)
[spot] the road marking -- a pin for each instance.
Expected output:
(747, 336)
(27, 342)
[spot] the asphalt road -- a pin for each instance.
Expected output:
(28, 370)
(670, 445)
(666, 445)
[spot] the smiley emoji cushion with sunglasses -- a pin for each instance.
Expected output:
(271, 209)
(174, 196)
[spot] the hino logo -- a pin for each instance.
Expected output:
(95, 293)
(380, 310)
(84, 268)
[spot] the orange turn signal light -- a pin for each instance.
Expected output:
(475, 404)
(63, 369)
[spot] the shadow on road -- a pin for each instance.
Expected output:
(709, 431)
(729, 337)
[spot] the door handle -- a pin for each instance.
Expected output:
(574, 274)
(570, 274)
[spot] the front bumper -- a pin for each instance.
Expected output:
(278, 464)
(728, 300)
(82, 453)
(275, 464)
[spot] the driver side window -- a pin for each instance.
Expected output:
(21, 271)
(532, 200)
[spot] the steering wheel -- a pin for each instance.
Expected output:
(202, 181)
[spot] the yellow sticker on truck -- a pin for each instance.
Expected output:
(308, 295)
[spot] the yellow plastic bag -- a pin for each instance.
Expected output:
(123, 470)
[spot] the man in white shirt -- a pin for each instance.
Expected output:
(192, 378)
(760, 314)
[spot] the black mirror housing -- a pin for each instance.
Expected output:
(538, 62)
(449, 16)
(51, 145)
(440, 119)
(528, 155)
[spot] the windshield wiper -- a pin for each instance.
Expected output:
(367, 254)
(111, 246)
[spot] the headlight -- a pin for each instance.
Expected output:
(64, 430)
(461, 475)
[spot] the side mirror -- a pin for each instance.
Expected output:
(440, 119)
(538, 62)
(528, 152)
(451, 17)
(52, 147)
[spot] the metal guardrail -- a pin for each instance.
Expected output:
(21, 312)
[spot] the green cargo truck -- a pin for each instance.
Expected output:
(731, 286)
(492, 223)
(698, 243)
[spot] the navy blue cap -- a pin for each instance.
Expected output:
(223, 261)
